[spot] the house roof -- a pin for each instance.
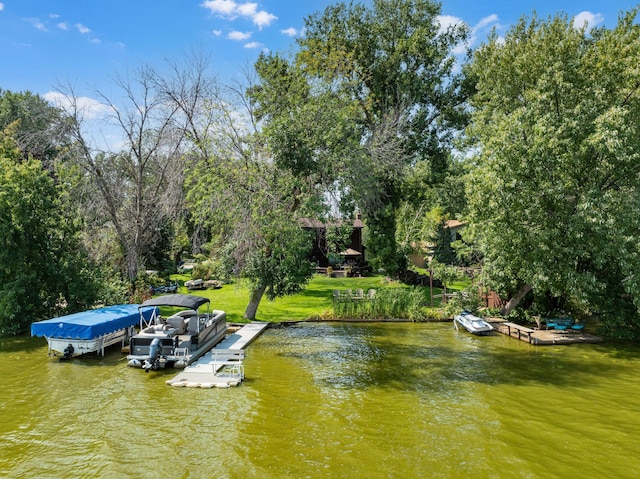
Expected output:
(454, 224)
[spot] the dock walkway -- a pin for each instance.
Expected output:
(541, 337)
(222, 366)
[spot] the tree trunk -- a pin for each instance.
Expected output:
(515, 300)
(252, 307)
(431, 286)
(131, 261)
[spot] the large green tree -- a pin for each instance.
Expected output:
(554, 185)
(40, 129)
(43, 268)
(370, 92)
(253, 208)
(246, 201)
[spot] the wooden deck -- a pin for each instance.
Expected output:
(222, 366)
(541, 337)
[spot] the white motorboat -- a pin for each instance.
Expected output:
(471, 323)
(177, 340)
(89, 331)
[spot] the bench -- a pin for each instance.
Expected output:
(222, 357)
(231, 360)
(520, 330)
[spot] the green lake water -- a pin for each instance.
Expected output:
(335, 400)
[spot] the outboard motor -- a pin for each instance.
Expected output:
(67, 353)
(154, 355)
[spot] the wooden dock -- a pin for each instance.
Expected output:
(541, 337)
(222, 366)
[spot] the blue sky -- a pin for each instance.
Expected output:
(43, 42)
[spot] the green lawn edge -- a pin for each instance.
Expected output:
(315, 301)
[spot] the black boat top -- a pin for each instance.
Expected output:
(188, 301)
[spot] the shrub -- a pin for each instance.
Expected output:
(405, 303)
(139, 290)
(466, 300)
(114, 289)
(210, 269)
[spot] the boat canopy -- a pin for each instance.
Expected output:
(182, 300)
(90, 324)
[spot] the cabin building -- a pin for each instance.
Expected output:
(353, 253)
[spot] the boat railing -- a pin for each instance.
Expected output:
(144, 322)
(235, 372)
(180, 352)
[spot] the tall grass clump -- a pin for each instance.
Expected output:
(387, 303)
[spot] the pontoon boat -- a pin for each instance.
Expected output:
(177, 340)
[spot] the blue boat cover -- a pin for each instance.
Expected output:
(91, 324)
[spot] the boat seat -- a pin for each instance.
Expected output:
(177, 322)
(192, 325)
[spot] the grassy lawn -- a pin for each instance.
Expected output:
(315, 300)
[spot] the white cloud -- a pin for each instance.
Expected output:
(235, 35)
(220, 7)
(37, 24)
(290, 32)
(263, 19)
(89, 108)
(230, 10)
(1, 6)
(591, 19)
(82, 29)
(253, 45)
(485, 22)
(54, 15)
(247, 9)
(459, 49)
(63, 26)
(447, 21)
(217, 33)
(96, 40)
